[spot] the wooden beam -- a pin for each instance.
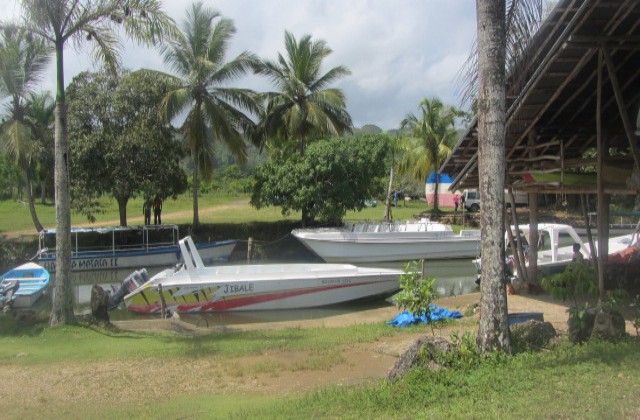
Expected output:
(626, 122)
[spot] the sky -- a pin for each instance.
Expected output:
(399, 51)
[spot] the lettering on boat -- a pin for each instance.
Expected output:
(85, 264)
(334, 282)
(94, 263)
(234, 289)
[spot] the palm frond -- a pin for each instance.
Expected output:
(523, 19)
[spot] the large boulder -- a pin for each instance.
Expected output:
(424, 349)
(596, 322)
(532, 334)
(608, 324)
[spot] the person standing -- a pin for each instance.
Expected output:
(157, 210)
(456, 201)
(146, 210)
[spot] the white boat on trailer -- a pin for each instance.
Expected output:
(194, 287)
(390, 241)
(555, 245)
(112, 248)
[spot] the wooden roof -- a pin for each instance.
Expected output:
(552, 96)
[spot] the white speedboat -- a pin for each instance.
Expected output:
(378, 242)
(112, 248)
(555, 246)
(194, 287)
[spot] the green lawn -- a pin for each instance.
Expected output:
(14, 215)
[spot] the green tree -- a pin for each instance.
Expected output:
(40, 113)
(332, 177)
(215, 111)
(304, 104)
(118, 143)
(94, 23)
(434, 135)
(22, 59)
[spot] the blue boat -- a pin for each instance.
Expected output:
(31, 279)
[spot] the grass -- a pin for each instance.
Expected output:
(595, 380)
(80, 344)
(14, 215)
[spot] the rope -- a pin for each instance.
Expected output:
(265, 244)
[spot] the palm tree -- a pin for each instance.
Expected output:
(95, 23)
(40, 114)
(197, 57)
(22, 60)
(434, 135)
(493, 329)
(304, 105)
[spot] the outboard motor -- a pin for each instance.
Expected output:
(129, 284)
(7, 294)
(509, 271)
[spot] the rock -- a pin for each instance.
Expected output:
(100, 304)
(425, 348)
(596, 322)
(533, 334)
(608, 324)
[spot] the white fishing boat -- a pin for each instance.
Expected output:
(386, 241)
(555, 246)
(112, 248)
(22, 286)
(194, 287)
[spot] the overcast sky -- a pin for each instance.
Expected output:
(399, 51)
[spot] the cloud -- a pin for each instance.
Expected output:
(399, 52)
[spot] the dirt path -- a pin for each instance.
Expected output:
(139, 220)
(271, 373)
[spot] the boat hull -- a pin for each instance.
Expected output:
(337, 247)
(249, 288)
(32, 281)
(211, 252)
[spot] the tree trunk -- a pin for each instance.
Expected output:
(387, 209)
(62, 300)
(32, 204)
(122, 209)
(196, 219)
(435, 193)
(493, 330)
(43, 189)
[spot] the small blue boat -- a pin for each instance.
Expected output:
(31, 279)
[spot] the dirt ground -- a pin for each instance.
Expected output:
(271, 373)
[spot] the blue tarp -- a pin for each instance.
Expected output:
(406, 318)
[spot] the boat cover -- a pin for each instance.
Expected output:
(406, 318)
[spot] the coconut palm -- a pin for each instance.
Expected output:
(303, 104)
(94, 23)
(40, 114)
(22, 59)
(215, 111)
(434, 135)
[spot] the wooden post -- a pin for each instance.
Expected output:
(518, 251)
(603, 221)
(163, 304)
(533, 220)
(594, 256)
(250, 249)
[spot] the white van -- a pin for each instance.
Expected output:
(471, 199)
